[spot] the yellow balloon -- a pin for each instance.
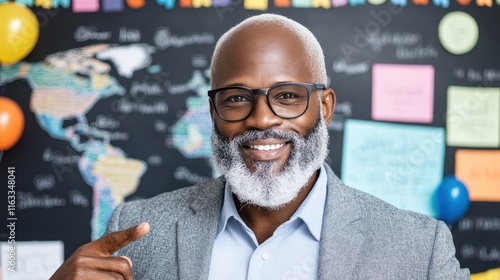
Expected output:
(18, 32)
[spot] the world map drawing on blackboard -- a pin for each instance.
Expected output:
(67, 84)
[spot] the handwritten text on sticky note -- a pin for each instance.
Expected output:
(401, 164)
(403, 93)
(479, 170)
(473, 117)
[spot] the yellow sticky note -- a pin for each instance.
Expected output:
(255, 5)
(321, 3)
(479, 170)
(46, 4)
(202, 3)
(473, 117)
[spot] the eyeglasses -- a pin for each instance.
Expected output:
(286, 100)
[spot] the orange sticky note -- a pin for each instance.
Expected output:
(422, 2)
(488, 3)
(136, 4)
(284, 3)
(186, 3)
(479, 170)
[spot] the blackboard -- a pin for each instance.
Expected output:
(55, 198)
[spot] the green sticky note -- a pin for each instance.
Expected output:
(473, 117)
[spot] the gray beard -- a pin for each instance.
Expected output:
(264, 187)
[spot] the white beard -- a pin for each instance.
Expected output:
(264, 187)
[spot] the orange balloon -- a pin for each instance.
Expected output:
(11, 123)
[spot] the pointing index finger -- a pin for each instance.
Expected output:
(108, 244)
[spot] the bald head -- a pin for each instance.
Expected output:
(276, 33)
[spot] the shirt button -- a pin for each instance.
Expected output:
(265, 256)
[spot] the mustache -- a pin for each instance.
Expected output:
(254, 135)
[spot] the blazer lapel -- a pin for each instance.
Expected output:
(196, 232)
(340, 241)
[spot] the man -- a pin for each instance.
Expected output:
(277, 212)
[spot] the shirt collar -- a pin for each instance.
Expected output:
(310, 211)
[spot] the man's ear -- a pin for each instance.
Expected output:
(328, 101)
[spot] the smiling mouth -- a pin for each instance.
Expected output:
(266, 147)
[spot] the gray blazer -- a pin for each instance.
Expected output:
(362, 237)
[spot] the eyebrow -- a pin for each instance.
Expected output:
(244, 85)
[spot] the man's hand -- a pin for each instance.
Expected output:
(94, 261)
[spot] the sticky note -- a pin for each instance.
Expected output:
(399, 2)
(284, 3)
(356, 2)
(136, 4)
(325, 4)
(85, 6)
(479, 170)
(458, 32)
(301, 3)
(399, 163)
(442, 3)
(487, 3)
(403, 93)
(62, 3)
(46, 4)
(112, 6)
(221, 3)
(376, 2)
(421, 2)
(27, 3)
(255, 4)
(340, 3)
(473, 117)
(202, 3)
(35, 260)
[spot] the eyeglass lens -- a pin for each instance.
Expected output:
(286, 101)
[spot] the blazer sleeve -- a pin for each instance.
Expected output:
(443, 264)
(113, 223)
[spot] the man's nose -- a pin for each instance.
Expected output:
(262, 117)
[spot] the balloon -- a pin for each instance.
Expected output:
(11, 123)
(453, 199)
(18, 32)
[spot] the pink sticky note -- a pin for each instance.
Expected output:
(403, 93)
(85, 6)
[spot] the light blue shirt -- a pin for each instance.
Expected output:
(291, 253)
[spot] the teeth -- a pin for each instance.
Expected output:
(267, 147)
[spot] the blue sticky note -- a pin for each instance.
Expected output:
(357, 2)
(301, 3)
(62, 3)
(401, 164)
(399, 2)
(169, 4)
(442, 3)
(28, 3)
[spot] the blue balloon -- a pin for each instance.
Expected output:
(453, 199)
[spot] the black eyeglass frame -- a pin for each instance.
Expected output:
(309, 87)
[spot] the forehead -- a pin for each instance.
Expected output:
(258, 56)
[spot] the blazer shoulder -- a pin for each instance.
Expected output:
(384, 217)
